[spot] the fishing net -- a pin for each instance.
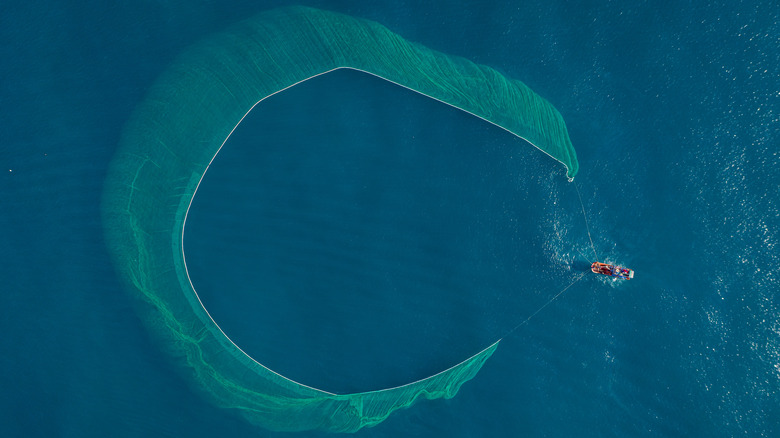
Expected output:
(174, 134)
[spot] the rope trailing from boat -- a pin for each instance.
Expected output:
(585, 216)
(579, 277)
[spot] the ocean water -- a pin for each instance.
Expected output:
(353, 235)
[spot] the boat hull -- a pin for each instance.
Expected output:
(612, 270)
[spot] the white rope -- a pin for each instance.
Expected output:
(585, 216)
(579, 277)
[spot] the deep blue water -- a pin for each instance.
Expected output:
(353, 235)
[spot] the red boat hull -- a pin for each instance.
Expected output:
(612, 270)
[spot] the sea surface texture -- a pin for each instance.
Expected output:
(353, 235)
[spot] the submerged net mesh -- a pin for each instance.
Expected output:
(175, 133)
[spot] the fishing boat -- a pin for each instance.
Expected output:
(612, 270)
